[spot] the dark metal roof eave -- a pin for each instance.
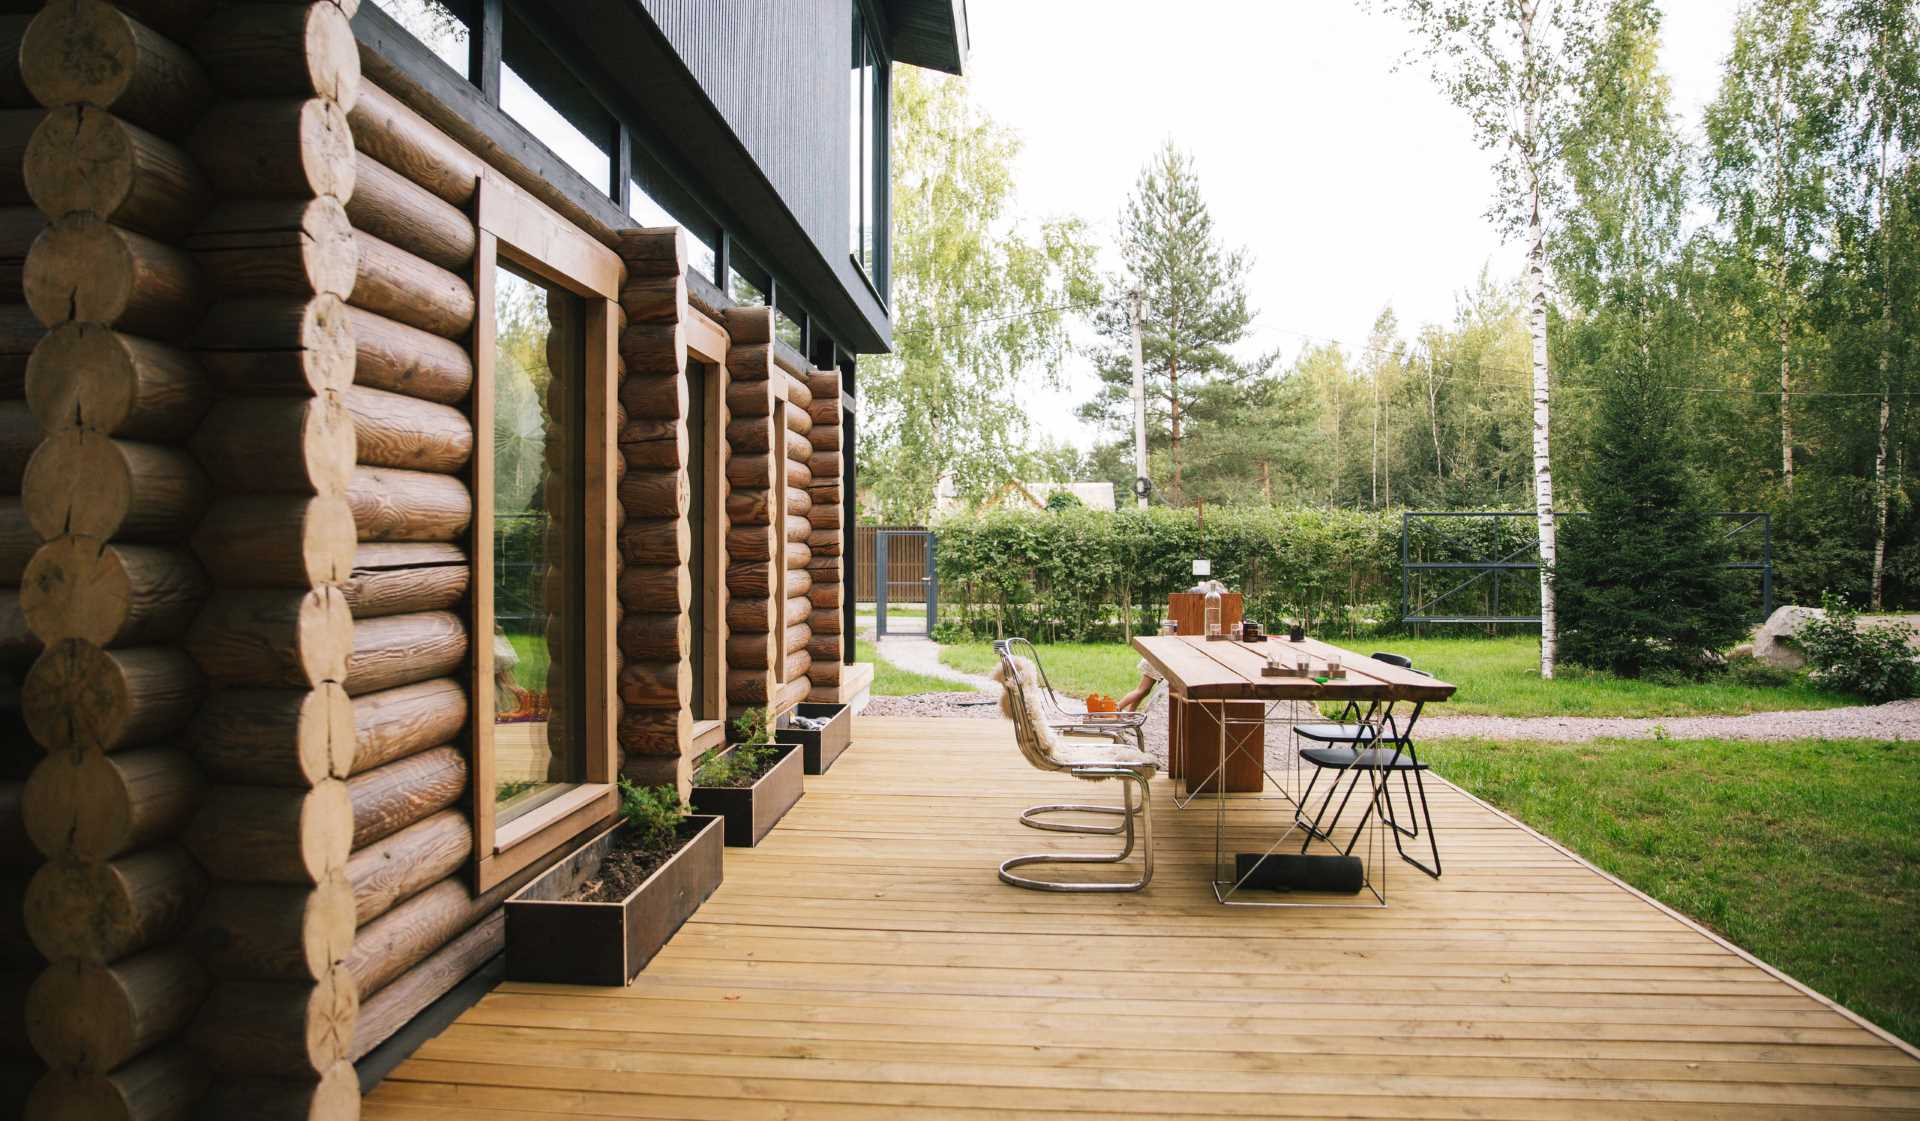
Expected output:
(931, 34)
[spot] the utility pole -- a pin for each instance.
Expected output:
(1139, 408)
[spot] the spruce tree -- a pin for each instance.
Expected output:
(1642, 580)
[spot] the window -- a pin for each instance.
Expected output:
(747, 282)
(443, 27)
(700, 560)
(538, 90)
(542, 546)
(788, 331)
(867, 154)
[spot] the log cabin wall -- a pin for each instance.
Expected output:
(756, 477)
(826, 535)
(20, 223)
(795, 586)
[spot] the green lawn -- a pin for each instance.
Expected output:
(1805, 853)
(531, 671)
(1496, 676)
(890, 680)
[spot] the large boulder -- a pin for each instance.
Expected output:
(1773, 642)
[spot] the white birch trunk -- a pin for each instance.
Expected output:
(1881, 492)
(1537, 325)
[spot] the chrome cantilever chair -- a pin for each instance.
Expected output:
(1375, 740)
(1047, 751)
(1060, 716)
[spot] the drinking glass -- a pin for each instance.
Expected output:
(1302, 666)
(1333, 666)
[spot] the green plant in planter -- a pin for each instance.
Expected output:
(753, 752)
(652, 813)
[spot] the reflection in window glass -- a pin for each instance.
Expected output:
(435, 25)
(642, 209)
(856, 158)
(787, 331)
(744, 291)
(586, 156)
(539, 543)
(870, 152)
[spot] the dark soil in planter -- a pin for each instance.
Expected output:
(625, 868)
(740, 779)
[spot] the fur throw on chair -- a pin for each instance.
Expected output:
(1044, 747)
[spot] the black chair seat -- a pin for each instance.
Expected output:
(1335, 733)
(1380, 758)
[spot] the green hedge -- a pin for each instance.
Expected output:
(1084, 575)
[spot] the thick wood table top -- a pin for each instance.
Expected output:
(1229, 671)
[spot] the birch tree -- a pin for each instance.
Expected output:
(1508, 65)
(1769, 139)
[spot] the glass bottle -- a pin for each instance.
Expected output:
(1213, 612)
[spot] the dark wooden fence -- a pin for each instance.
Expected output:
(906, 562)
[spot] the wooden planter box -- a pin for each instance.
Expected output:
(751, 811)
(824, 746)
(552, 938)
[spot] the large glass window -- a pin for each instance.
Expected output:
(542, 93)
(867, 154)
(539, 517)
(442, 26)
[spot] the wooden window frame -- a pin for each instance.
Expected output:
(516, 227)
(707, 344)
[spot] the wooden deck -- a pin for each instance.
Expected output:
(864, 962)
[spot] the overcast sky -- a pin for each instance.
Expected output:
(1353, 183)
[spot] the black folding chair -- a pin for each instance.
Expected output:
(1371, 741)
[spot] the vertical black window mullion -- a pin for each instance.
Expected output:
(486, 49)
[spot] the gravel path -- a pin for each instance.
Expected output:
(922, 656)
(1898, 720)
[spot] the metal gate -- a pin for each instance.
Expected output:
(903, 576)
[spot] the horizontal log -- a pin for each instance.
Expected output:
(394, 650)
(289, 1029)
(390, 798)
(824, 648)
(749, 399)
(78, 696)
(794, 669)
(825, 517)
(165, 1082)
(400, 138)
(402, 578)
(397, 723)
(407, 935)
(398, 1003)
(798, 531)
(656, 684)
(654, 350)
(749, 579)
(826, 596)
(259, 834)
(750, 435)
(750, 362)
(293, 149)
(825, 414)
(395, 505)
(275, 932)
(747, 686)
(654, 444)
(277, 247)
(748, 615)
(798, 420)
(824, 620)
(748, 543)
(747, 470)
(798, 395)
(395, 430)
(276, 541)
(84, 375)
(656, 588)
(274, 737)
(281, 50)
(403, 359)
(799, 502)
(655, 636)
(83, 269)
(97, 913)
(91, 806)
(397, 210)
(111, 594)
(277, 445)
(826, 490)
(824, 542)
(18, 541)
(825, 464)
(408, 289)
(655, 494)
(798, 555)
(278, 345)
(749, 650)
(826, 671)
(748, 506)
(648, 541)
(92, 53)
(748, 324)
(824, 385)
(412, 859)
(81, 482)
(825, 437)
(653, 252)
(648, 299)
(276, 639)
(655, 731)
(93, 1018)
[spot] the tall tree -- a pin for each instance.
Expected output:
(1510, 65)
(1194, 309)
(980, 302)
(1880, 41)
(1769, 139)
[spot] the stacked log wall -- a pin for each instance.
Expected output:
(794, 584)
(826, 529)
(20, 223)
(756, 493)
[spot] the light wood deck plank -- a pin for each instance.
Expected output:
(864, 962)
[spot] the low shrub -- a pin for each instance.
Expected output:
(1753, 672)
(653, 813)
(1874, 660)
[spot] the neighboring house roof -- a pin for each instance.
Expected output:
(1016, 494)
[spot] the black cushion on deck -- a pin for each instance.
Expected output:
(1377, 757)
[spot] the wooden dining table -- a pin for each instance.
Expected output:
(1226, 677)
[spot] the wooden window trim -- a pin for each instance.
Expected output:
(516, 227)
(707, 344)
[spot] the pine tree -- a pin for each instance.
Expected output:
(1194, 298)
